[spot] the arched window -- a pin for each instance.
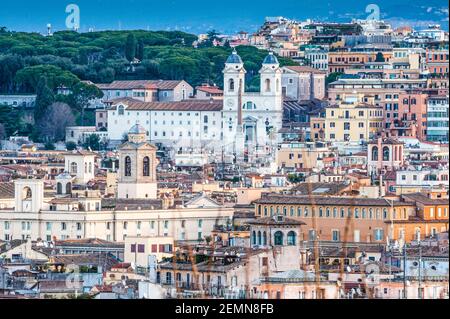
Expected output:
(267, 85)
(271, 210)
(334, 212)
(349, 212)
(265, 211)
(73, 168)
(291, 238)
(342, 213)
(26, 193)
(278, 238)
(254, 238)
(58, 188)
(299, 212)
(127, 166)
(385, 153)
(363, 213)
(375, 153)
(121, 110)
(205, 119)
(378, 213)
(292, 211)
(320, 212)
(284, 211)
(259, 238)
(394, 216)
(264, 238)
(249, 106)
(370, 213)
(90, 167)
(69, 188)
(385, 213)
(306, 212)
(146, 166)
(356, 212)
(231, 85)
(85, 167)
(328, 212)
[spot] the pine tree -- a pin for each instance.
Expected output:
(130, 47)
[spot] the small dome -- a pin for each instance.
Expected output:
(270, 59)
(234, 58)
(137, 129)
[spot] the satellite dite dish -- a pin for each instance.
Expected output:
(349, 269)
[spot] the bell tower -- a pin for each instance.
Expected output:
(137, 166)
(270, 74)
(233, 78)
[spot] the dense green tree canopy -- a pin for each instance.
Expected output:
(68, 57)
(33, 63)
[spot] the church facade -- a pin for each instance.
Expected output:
(251, 119)
(137, 173)
(244, 122)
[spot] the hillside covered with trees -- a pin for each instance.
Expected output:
(33, 63)
(67, 57)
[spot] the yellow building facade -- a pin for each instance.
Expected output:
(354, 119)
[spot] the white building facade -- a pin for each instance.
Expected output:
(242, 122)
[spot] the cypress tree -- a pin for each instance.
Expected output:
(140, 50)
(130, 47)
(44, 98)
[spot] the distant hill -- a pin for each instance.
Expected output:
(199, 16)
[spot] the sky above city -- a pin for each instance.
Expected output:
(199, 16)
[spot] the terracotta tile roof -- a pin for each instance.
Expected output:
(304, 69)
(140, 84)
(186, 105)
(100, 259)
(209, 89)
(320, 188)
(80, 153)
(7, 190)
(121, 266)
(324, 201)
(421, 198)
(131, 204)
(87, 242)
(103, 288)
